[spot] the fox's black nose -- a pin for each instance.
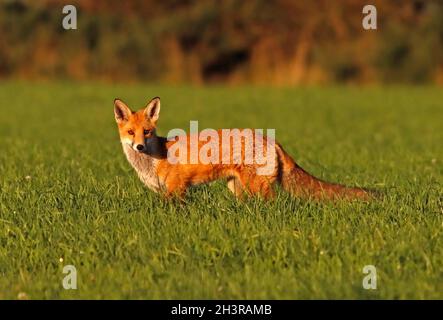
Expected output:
(140, 147)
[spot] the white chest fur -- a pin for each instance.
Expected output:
(145, 166)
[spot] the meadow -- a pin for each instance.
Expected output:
(69, 197)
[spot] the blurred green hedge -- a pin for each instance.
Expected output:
(233, 41)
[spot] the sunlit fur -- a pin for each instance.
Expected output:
(157, 173)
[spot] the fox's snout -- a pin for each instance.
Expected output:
(140, 147)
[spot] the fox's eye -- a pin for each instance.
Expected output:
(131, 132)
(147, 131)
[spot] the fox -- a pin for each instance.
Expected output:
(148, 155)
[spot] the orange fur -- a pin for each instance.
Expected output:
(137, 129)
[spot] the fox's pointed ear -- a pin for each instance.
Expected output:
(152, 110)
(121, 111)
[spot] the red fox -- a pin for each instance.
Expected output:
(148, 154)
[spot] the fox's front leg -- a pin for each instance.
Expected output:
(175, 189)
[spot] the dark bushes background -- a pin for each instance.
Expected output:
(232, 41)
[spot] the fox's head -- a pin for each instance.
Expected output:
(137, 129)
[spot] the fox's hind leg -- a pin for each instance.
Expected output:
(258, 185)
(235, 187)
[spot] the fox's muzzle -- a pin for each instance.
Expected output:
(140, 147)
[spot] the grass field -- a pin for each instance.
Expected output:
(68, 196)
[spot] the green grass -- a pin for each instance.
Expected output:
(68, 196)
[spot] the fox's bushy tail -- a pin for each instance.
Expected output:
(300, 183)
